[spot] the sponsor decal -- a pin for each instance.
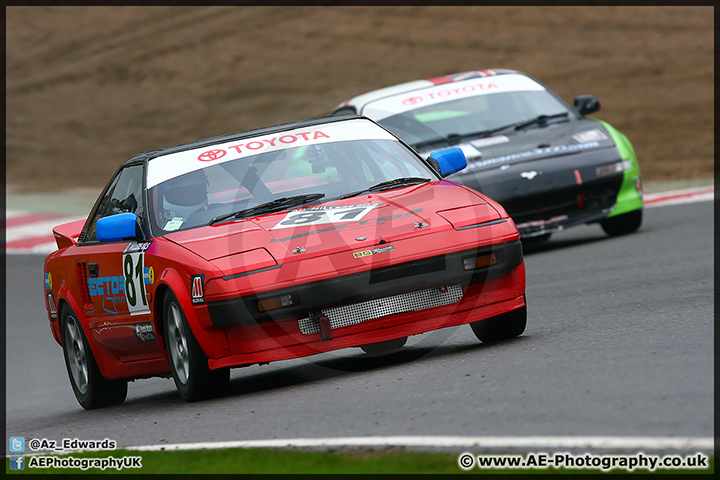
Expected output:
(284, 139)
(197, 293)
(144, 332)
(48, 281)
(165, 167)
(325, 214)
(486, 142)
(540, 223)
(373, 251)
(349, 226)
(594, 135)
(211, 155)
(449, 91)
(110, 303)
(52, 308)
(173, 224)
(538, 152)
(102, 286)
(436, 94)
(135, 247)
(149, 276)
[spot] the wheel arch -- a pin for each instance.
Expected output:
(212, 341)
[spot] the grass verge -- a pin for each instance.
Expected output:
(276, 461)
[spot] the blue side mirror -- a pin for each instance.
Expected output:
(116, 227)
(449, 160)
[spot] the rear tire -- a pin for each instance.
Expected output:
(91, 389)
(189, 366)
(622, 224)
(502, 327)
(384, 348)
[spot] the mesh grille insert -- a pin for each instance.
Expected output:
(355, 313)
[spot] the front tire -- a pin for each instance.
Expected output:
(501, 327)
(91, 389)
(189, 366)
(622, 224)
(384, 348)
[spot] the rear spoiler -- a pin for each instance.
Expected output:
(66, 235)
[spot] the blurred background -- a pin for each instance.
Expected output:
(89, 87)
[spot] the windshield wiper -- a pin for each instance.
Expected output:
(539, 120)
(398, 182)
(274, 205)
(454, 138)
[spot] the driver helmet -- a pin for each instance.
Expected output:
(184, 195)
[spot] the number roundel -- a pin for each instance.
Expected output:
(303, 218)
(133, 270)
(130, 292)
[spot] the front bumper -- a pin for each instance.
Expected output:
(551, 194)
(308, 299)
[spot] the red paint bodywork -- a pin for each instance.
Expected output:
(446, 212)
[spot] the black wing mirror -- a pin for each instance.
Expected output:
(586, 104)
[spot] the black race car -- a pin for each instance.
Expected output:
(548, 164)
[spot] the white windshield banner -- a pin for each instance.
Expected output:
(404, 102)
(163, 168)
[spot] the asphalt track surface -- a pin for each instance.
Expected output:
(619, 343)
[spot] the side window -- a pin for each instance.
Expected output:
(124, 195)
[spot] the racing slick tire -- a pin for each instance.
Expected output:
(91, 389)
(189, 366)
(501, 327)
(622, 224)
(384, 348)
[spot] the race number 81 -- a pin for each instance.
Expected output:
(133, 268)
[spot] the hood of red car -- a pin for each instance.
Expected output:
(326, 228)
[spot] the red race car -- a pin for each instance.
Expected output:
(272, 244)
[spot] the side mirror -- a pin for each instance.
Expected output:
(586, 104)
(448, 160)
(117, 227)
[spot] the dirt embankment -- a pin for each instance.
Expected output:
(88, 87)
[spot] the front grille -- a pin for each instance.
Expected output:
(354, 313)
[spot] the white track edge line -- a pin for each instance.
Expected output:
(603, 442)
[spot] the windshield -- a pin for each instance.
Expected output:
(278, 180)
(471, 115)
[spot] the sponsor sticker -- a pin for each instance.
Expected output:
(538, 152)
(404, 102)
(51, 305)
(196, 288)
(48, 281)
(149, 276)
(489, 141)
(165, 167)
(325, 214)
(373, 251)
(144, 331)
(173, 224)
(594, 135)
